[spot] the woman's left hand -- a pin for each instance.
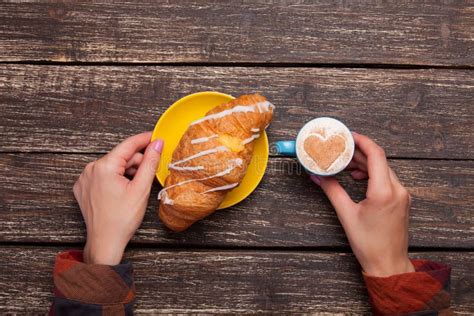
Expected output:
(113, 206)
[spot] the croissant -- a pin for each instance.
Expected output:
(211, 159)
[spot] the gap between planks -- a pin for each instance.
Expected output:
(213, 248)
(239, 64)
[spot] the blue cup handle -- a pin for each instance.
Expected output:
(286, 147)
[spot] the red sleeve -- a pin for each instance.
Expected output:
(423, 291)
(91, 289)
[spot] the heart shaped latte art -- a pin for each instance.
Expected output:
(324, 151)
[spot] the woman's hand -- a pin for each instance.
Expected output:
(377, 227)
(112, 205)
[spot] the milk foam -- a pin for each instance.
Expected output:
(325, 127)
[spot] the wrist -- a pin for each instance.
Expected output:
(106, 254)
(389, 269)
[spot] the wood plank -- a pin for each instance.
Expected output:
(411, 113)
(406, 32)
(286, 210)
(219, 282)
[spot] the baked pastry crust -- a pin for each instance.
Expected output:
(212, 158)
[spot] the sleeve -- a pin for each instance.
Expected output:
(423, 292)
(91, 289)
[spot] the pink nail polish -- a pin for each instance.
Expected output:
(316, 179)
(158, 145)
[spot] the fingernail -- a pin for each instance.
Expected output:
(158, 145)
(316, 179)
(354, 133)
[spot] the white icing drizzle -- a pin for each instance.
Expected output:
(264, 106)
(224, 187)
(234, 163)
(164, 197)
(199, 154)
(203, 139)
(235, 109)
(250, 139)
(186, 168)
(261, 106)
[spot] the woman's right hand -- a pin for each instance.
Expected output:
(377, 227)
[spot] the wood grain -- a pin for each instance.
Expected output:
(54, 119)
(225, 282)
(403, 32)
(411, 113)
(286, 210)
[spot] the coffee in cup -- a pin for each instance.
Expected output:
(324, 146)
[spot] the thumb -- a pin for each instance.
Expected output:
(143, 179)
(339, 198)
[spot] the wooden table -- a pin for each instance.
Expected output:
(77, 79)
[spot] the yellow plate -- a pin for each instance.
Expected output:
(175, 121)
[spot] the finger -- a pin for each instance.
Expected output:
(353, 165)
(131, 171)
(145, 174)
(336, 194)
(359, 175)
(361, 159)
(377, 166)
(395, 181)
(126, 149)
(76, 189)
(393, 175)
(136, 160)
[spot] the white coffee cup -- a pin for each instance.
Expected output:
(325, 128)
